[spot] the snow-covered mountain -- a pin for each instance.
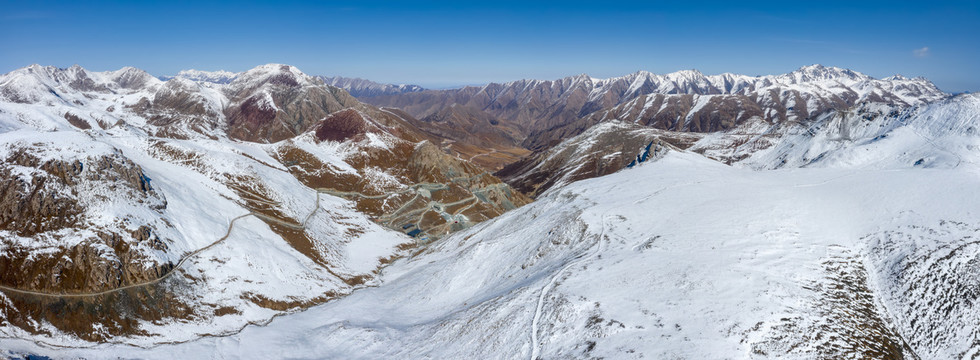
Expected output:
(154, 211)
(361, 88)
(213, 77)
(942, 134)
(546, 112)
(938, 134)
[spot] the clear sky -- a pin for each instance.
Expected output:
(439, 44)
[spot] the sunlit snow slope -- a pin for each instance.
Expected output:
(680, 258)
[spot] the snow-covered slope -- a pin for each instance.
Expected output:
(678, 258)
(941, 134)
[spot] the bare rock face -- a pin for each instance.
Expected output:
(344, 125)
(45, 203)
(77, 121)
(33, 205)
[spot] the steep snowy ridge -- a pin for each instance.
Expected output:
(37, 83)
(943, 134)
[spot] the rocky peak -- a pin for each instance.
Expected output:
(273, 102)
(819, 72)
(132, 78)
(270, 77)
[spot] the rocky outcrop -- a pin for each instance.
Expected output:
(44, 203)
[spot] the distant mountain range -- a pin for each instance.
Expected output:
(546, 111)
(214, 77)
(361, 88)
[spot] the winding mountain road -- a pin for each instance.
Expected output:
(231, 225)
(180, 264)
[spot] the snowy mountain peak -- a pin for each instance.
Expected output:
(275, 74)
(817, 72)
(215, 77)
(35, 83)
(692, 73)
(359, 87)
(132, 78)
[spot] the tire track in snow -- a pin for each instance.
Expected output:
(535, 346)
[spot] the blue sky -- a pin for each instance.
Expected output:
(439, 44)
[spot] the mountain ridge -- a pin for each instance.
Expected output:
(363, 88)
(546, 111)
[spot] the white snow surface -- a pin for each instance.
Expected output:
(680, 258)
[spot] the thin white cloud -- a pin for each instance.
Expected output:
(923, 52)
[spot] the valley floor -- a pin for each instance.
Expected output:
(680, 258)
